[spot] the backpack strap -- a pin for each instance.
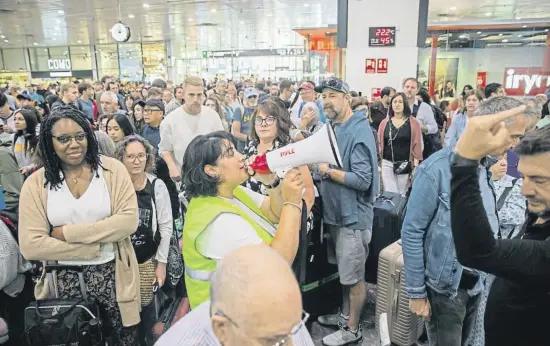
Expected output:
(415, 108)
(504, 195)
(154, 199)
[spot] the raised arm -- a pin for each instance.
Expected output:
(513, 259)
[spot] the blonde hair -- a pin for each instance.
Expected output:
(194, 81)
(66, 87)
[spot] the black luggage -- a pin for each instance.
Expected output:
(63, 321)
(318, 279)
(389, 212)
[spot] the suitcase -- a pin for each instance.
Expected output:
(318, 278)
(389, 212)
(404, 327)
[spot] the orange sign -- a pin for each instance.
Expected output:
(321, 43)
(382, 66)
(370, 66)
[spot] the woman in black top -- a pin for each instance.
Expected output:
(399, 139)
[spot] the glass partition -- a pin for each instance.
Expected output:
(107, 60)
(81, 58)
(14, 59)
(39, 59)
(154, 60)
(131, 61)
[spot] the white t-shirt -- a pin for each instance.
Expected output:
(94, 205)
(218, 239)
(179, 128)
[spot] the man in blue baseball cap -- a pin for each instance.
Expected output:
(241, 118)
(348, 200)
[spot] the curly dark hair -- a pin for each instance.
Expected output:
(282, 120)
(46, 153)
(203, 150)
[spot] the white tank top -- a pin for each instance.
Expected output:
(94, 205)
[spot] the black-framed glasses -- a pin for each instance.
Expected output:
(149, 111)
(141, 157)
(277, 340)
(252, 97)
(267, 121)
(65, 139)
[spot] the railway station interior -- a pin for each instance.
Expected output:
(272, 172)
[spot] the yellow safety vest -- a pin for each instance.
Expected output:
(202, 211)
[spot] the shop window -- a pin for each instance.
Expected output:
(107, 60)
(81, 58)
(14, 59)
(154, 60)
(131, 61)
(39, 59)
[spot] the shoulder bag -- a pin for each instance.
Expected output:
(399, 167)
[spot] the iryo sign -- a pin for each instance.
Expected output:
(520, 81)
(59, 64)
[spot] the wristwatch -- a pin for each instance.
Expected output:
(274, 184)
(326, 175)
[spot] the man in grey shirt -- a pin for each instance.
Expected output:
(421, 110)
(252, 300)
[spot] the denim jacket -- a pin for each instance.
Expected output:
(455, 130)
(428, 246)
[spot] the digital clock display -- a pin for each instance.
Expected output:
(382, 36)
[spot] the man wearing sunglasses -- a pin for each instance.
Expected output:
(255, 303)
(241, 118)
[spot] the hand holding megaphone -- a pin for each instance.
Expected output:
(319, 148)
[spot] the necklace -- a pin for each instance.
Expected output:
(76, 177)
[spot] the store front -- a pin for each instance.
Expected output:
(291, 63)
(60, 64)
(516, 57)
(13, 68)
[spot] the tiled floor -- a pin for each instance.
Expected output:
(370, 334)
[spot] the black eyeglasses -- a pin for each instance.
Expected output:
(64, 139)
(252, 97)
(269, 341)
(268, 121)
(149, 111)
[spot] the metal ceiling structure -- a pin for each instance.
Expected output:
(215, 24)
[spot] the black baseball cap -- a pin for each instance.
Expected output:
(335, 84)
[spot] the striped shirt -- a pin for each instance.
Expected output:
(195, 329)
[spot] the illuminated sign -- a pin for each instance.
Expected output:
(382, 36)
(59, 64)
(520, 81)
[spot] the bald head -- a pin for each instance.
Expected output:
(256, 288)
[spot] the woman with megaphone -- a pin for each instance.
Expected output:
(223, 215)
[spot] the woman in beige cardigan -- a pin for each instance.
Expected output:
(80, 209)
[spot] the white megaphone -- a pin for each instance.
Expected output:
(321, 147)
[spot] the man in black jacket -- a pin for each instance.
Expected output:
(519, 301)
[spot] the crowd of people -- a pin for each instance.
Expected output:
(149, 185)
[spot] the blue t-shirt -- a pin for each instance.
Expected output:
(87, 108)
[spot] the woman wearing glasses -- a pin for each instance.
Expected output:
(80, 210)
(151, 240)
(223, 216)
(270, 131)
